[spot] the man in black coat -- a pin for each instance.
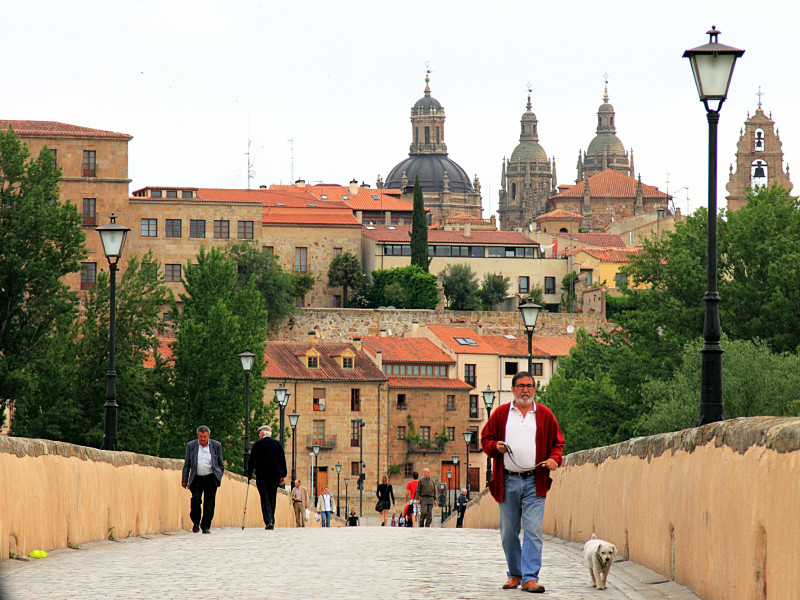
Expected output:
(269, 462)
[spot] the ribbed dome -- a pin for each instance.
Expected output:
(426, 104)
(528, 151)
(431, 169)
(608, 142)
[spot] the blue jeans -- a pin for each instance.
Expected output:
(522, 504)
(325, 517)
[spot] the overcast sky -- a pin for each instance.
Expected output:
(193, 81)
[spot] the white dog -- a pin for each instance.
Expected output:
(599, 555)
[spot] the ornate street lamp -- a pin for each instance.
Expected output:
(449, 487)
(455, 483)
(246, 359)
(315, 449)
(293, 418)
(530, 314)
(113, 237)
(488, 401)
(712, 66)
(467, 441)
(346, 505)
(282, 396)
(338, 468)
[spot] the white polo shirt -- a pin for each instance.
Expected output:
(204, 460)
(521, 438)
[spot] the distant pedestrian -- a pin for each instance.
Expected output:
(269, 463)
(461, 504)
(401, 522)
(326, 505)
(352, 520)
(426, 494)
(385, 498)
(202, 473)
(394, 520)
(299, 504)
(411, 497)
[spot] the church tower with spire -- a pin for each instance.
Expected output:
(605, 150)
(759, 159)
(528, 177)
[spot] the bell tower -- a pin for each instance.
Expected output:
(759, 159)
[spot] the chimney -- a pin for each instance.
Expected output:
(357, 343)
(467, 230)
(360, 216)
(301, 183)
(312, 336)
(353, 187)
(379, 359)
(383, 333)
(415, 329)
(387, 218)
(480, 328)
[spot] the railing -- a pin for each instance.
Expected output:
(328, 442)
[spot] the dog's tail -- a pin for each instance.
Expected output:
(594, 537)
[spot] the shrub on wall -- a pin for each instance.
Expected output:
(419, 287)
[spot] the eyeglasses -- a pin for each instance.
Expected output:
(525, 386)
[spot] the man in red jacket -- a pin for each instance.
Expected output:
(525, 441)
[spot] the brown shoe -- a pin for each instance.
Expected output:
(512, 583)
(533, 587)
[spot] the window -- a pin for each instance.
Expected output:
(586, 275)
(524, 285)
(319, 398)
(156, 193)
(496, 252)
(300, 264)
(347, 362)
(186, 194)
(54, 154)
(425, 433)
(621, 280)
(222, 229)
(758, 135)
(451, 434)
(245, 230)
(537, 369)
(355, 436)
(401, 402)
(442, 250)
(172, 273)
(337, 301)
(313, 362)
(451, 402)
(401, 432)
(355, 399)
(466, 341)
(89, 163)
(197, 228)
(354, 468)
(337, 252)
(549, 285)
(88, 275)
(300, 302)
(473, 406)
(149, 227)
(89, 211)
(475, 444)
(470, 375)
(318, 433)
(172, 228)
(408, 469)
(478, 251)
(268, 250)
(172, 193)
(511, 368)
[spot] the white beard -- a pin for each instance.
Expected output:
(523, 401)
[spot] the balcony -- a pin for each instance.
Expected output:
(436, 446)
(326, 443)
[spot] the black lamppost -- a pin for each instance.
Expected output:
(346, 505)
(113, 237)
(712, 66)
(467, 441)
(338, 467)
(247, 363)
(361, 477)
(530, 314)
(315, 450)
(456, 483)
(282, 396)
(293, 418)
(488, 401)
(449, 487)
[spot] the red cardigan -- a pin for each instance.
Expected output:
(549, 444)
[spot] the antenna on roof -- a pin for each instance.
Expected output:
(250, 172)
(291, 149)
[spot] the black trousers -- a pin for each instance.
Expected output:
(268, 490)
(204, 489)
(460, 519)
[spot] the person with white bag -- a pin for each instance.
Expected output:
(300, 504)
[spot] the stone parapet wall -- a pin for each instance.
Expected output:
(346, 323)
(55, 494)
(714, 508)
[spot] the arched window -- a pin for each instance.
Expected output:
(513, 191)
(563, 230)
(758, 140)
(758, 174)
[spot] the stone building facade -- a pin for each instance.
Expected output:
(759, 159)
(606, 150)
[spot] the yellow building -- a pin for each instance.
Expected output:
(602, 265)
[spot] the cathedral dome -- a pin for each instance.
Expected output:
(528, 151)
(431, 169)
(426, 104)
(607, 142)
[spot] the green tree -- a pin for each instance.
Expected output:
(494, 289)
(460, 287)
(275, 285)
(536, 295)
(419, 286)
(419, 230)
(302, 283)
(41, 240)
(345, 270)
(568, 287)
(216, 323)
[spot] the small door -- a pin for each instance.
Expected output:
(452, 482)
(322, 479)
(474, 479)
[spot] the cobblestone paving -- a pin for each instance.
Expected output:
(365, 562)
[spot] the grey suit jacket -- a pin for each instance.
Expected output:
(190, 462)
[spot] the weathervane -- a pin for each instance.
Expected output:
(759, 94)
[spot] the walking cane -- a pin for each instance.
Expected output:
(245, 503)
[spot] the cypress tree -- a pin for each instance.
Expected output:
(419, 230)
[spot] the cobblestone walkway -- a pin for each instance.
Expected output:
(366, 562)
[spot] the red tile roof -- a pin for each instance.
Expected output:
(406, 350)
(554, 345)
(344, 220)
(559, 214)
(284, 364)
(56, 129)
(164, 350)
(611, 184)
(614, 255)
(439, 383)
(401, 233)
(388, 199)
(543, 346)
(448, 335)
(606, 240)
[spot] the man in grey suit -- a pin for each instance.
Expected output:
(202, 475)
